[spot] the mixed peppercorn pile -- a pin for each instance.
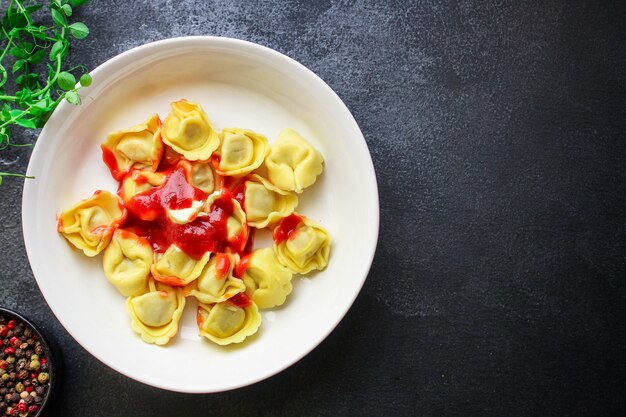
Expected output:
(24, 368)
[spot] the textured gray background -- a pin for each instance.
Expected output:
(497, 132)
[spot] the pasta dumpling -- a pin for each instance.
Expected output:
(139, 146)
(156, 313)
(138, 182)
(265, 203)
(230, 321)
(189, 132)
(241, 152)
(203, 177)
(90, 224)
(126, 263)
(292, 163)
(221, 202)
(301, 244)
(267, 282)
(216, 283)
(176, 268)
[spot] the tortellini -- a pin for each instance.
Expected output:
(267, 282)
(90, 224)
(241, 152)
(139, 146)
(155, 314)
(189, 132)
(236, 225)
(203, 177)
(180, 227)
(176, 268)
(216, 283)
(126, 263)
(228, 322)
(138, 182)
(265, 204)
(293, 164)
(306, 248)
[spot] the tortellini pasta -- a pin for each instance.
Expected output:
(189, 132)
(241, 152)
(180, 224)
(176, 268)
(139, 146)
(155, 314)
(293, 164)
(228, 322)
(126, 263)
(236, 225)
(267, 282)
(265, 204)
(90, 224)
(138, 182)
(203, 177)
(216, 283)
(306, 248)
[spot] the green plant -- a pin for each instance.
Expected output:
(35, 39)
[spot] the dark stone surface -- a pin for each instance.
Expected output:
(497, 129)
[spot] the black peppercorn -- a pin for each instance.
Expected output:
(38, 399)
(45, 367)
(3, 391)
(15, 397)
(28, 332)
(19, 353)
(30, 342)
(39, 349)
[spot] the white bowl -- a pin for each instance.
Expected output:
(238, 84)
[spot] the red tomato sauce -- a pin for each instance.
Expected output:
(286, 228)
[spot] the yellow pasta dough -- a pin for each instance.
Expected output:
(203, 177)
(267, 282)
(156, 313)
(241, 152)
(90, 224)
(139, 146)
(292, 163)
(265, 203)
(139, 181)
(306, 249)
(216, 283)
(189, 132)
(176, 268)
(126, 263)
(226, 322)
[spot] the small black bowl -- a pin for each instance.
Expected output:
(51, 352)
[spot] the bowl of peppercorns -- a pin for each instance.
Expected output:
(27, 367)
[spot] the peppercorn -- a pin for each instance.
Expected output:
(11, 359)
(3, 330)
(40, 390)
(39, 349)
(28, 399)
(19, 353)
(21, 406)
(24, 346)
(38, 399)
(34, 357)
(33, 408)
(15, 397)
(30, 342)
(19, 387)
(43, 377)
(24, 395)
(34, 365)
(3, 364)
(4, 377)
(9, 351)
(8, 397)
(3, 391)
(22, 375)
(45, 367)
(9, 384)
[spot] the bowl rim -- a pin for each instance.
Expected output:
(156, 47)
(54, 356)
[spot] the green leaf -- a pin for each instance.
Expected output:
(77, 3)
(18, 20)
(33, 9)
(28, 123)
(37, 57)
(58, 18)
(85, 80)
(66, 81)
(67, 10)
(4, 76)
(72, 97)
(79, 30)
(18, 65)
(56, 49)
(18, 52)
